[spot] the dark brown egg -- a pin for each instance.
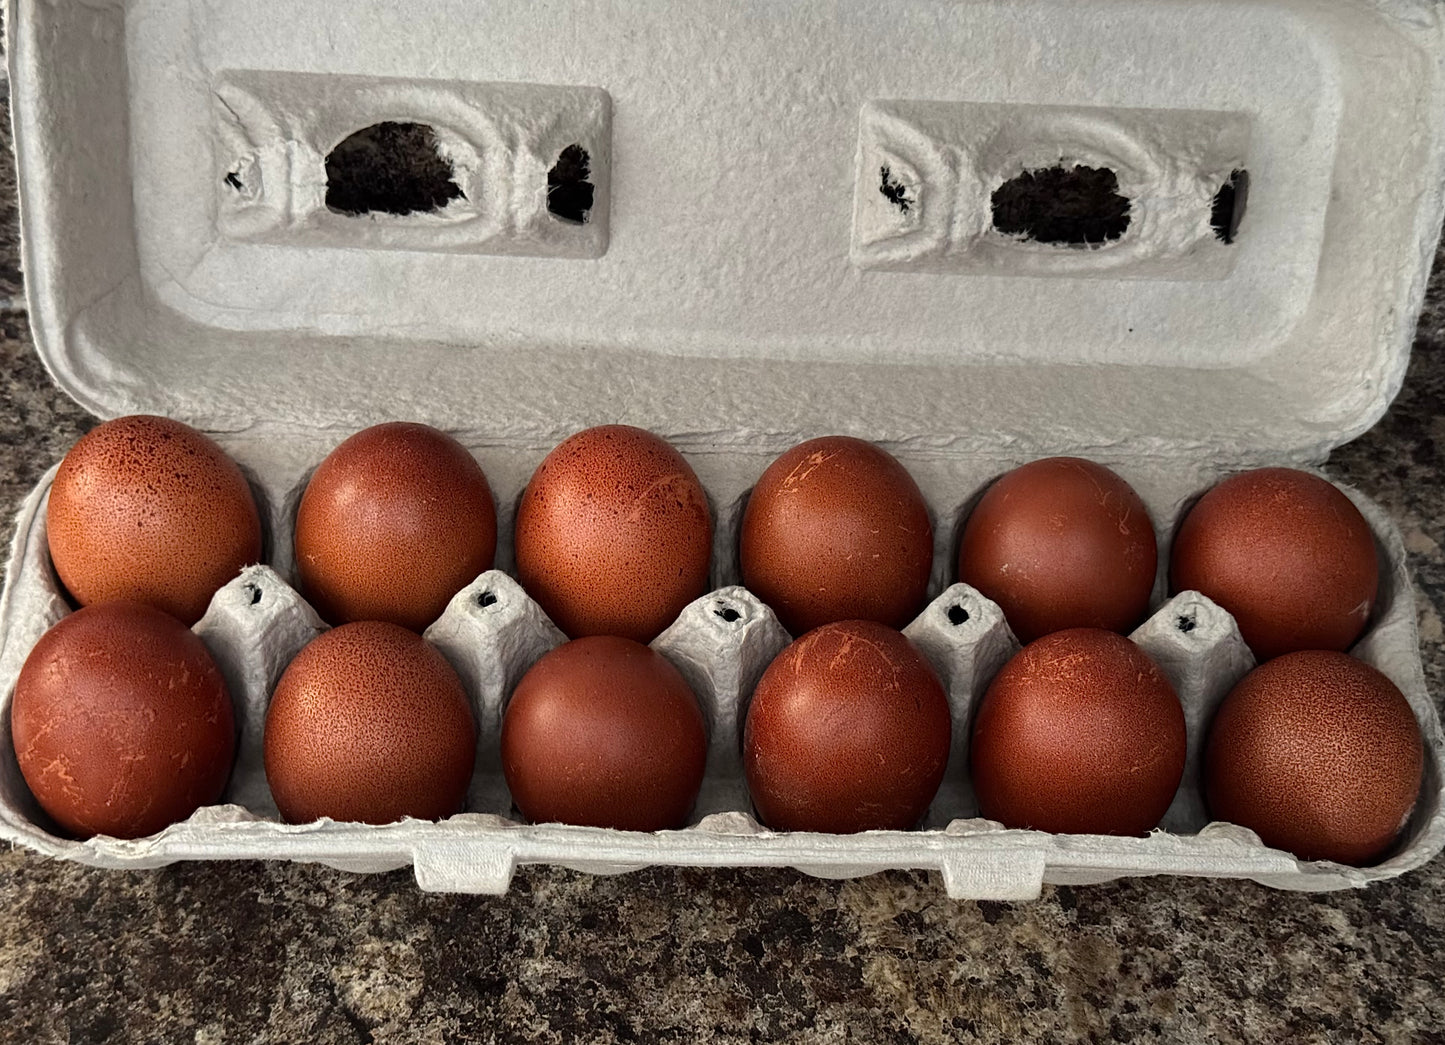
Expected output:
(604, 732)
(836, 529)
(369, 723)
(121, 722)
(613, 534)
(848, 731)
(149, 510)
(1317, 753)
(1061, 543)
(1080, 733)
(393, 523)
(1287, 554)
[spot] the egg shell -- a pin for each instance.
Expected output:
(1079, 733)
(146, 509)
(121, 722)
(1287, 554)
(836, 529)
(1317, 753)
(848, 730)
(1061, 543)
(369, 723)
(604, 732)
(613, 534)
(393, 523)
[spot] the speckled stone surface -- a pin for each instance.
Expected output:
(262, 953)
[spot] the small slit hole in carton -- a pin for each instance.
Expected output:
(1186, 623)
(569, 194)
(1229, 203)
(894, 191)
(233, 179)
(486, 599)
(1074, 207)
(254, 590)
(957, 615)
(389, 168)
(726, 612)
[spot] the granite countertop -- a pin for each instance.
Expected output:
(254, 952)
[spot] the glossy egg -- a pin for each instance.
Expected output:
(848, 731)
(1287, 554)
(604, 732)
(393, 523)
(1061, 543)
(1080, 733)
(836, 529)
(121, 721)
(369, 723)
(1317, 753)
(146, 509)
(613, 534)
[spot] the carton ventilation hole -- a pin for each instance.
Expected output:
(389, 168)
(1075, 206)
(727, 613)
(957, 615)
(486, 599)
(1186, 624)
(233, 179)
(894, 191)
(255, 592)
(1229, 204)
(569, 194)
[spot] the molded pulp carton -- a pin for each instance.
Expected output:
(739, 226)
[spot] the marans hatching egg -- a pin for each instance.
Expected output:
(613, 534)
(848, 731)
(1079, 733)
(369, 723)
(1061, 543)
(121, 721)
(393, 523)
(604, 732)
(149, 510)
(1287, 554)
(836, 529)
(1317, 753)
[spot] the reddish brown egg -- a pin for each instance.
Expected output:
(848, 731)
(604, 732)
(1061, 543)
(1080, 733)
(369, 723)
(1287, 554)
(613, 534)
(836, 529)
(1317, 753)
(121, 722)
(393, 523)
(149, 510)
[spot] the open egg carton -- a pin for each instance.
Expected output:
(738, 229)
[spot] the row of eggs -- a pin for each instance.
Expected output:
(849, 728)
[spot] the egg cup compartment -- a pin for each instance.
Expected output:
(492, 632)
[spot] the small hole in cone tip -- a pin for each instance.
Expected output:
(233, 179)
(255, 592)
(389, 168)
(1186, 624)
(1229, 205)
(486, 599)
(894, 191)
(569, 194)
(1071, 206)
(957, 615)
(727, 613)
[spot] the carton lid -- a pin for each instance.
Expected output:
(989, 227)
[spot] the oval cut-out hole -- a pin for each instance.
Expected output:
(569, 194)
(389, 168)
(1229, 204)
(1074, 206)
(957, 615)
(486, 599)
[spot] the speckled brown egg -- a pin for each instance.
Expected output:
(369, 723)
(1317, 753)
(393, 523)
(604, 732)
(1287, 554)
(836, 529)
(1080, 733)
(613, 534)
(848, 731)
(149, 510)
(121, 721)
(1061, 543)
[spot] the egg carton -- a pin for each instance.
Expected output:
(492, 632)
(739, 229)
